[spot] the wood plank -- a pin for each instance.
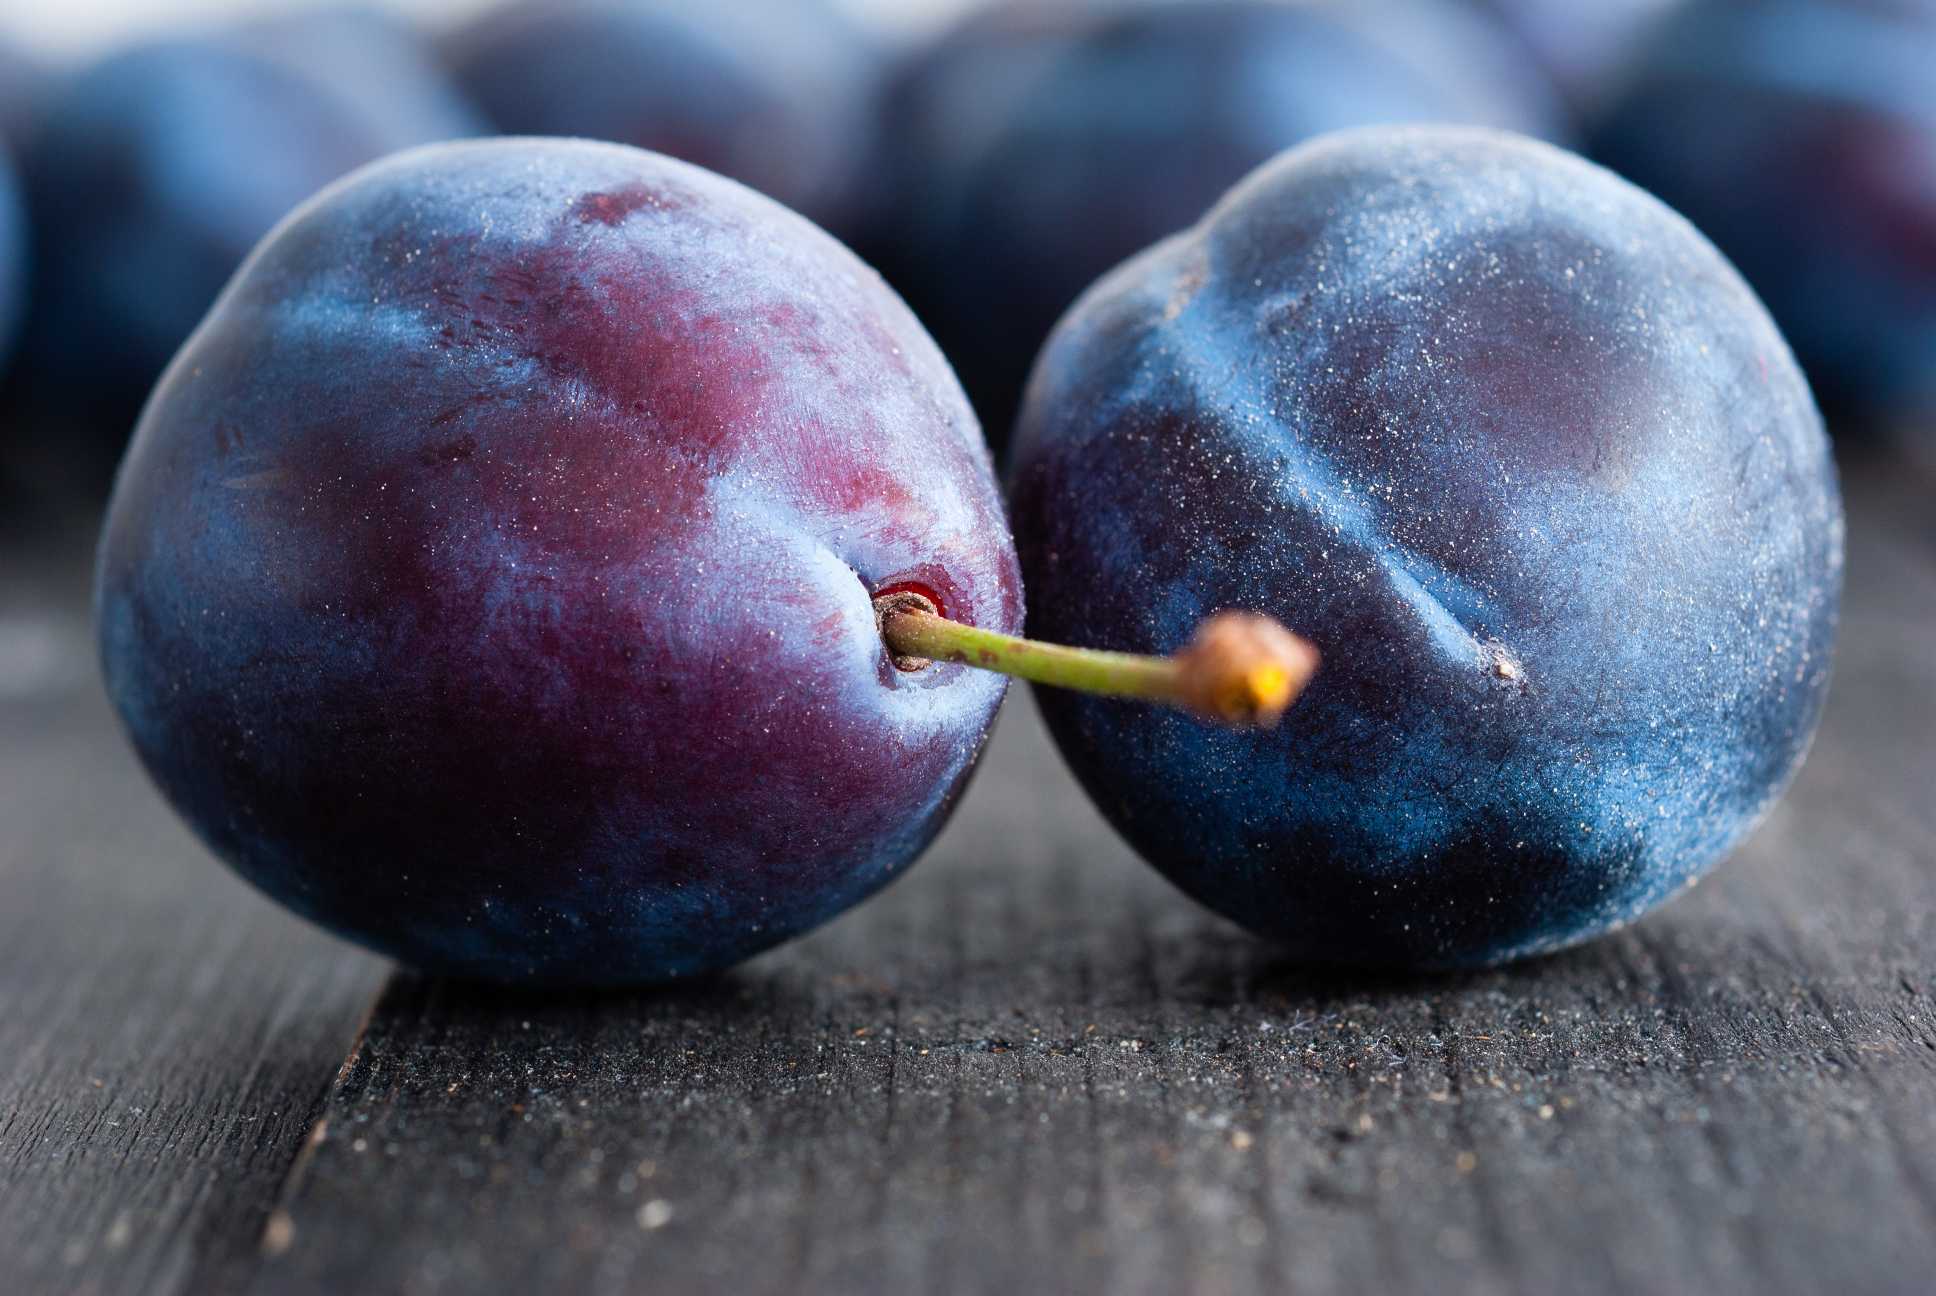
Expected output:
(167, 1035)
(1031, 1066)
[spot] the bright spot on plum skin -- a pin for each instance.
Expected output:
(1524, 458)
(489, 577)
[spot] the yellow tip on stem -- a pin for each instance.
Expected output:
(1243, 670)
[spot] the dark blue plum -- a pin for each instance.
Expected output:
(490, 578)
(774, 93)
(1800, 135)
(1018, 186)
(1525, 459)
(153, 172)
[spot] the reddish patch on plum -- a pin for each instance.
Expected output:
(614, 206)
(851, 485)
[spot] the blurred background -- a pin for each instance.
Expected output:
(96, 24)
(990, 157)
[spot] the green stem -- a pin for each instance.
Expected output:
(914, 633)
(1241, 669)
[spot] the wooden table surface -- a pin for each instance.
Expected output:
(1029, 1067)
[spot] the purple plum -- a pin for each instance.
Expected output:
(490, 578)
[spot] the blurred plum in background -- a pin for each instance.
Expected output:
(1584, 46)
(1008, 203)
(774, 93)
(151, 173)
(943, 102)
(1800, 135)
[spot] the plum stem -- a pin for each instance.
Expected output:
(1241, 669)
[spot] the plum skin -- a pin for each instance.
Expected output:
(489, 577)
(1523, 456)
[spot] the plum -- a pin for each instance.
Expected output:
(1800, 135)
(1530, 464)
(154, 171)
(774, 93)
(491, 576)
(1022, 179)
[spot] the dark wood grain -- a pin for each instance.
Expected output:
(1033, 1067)
(165, 1035)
